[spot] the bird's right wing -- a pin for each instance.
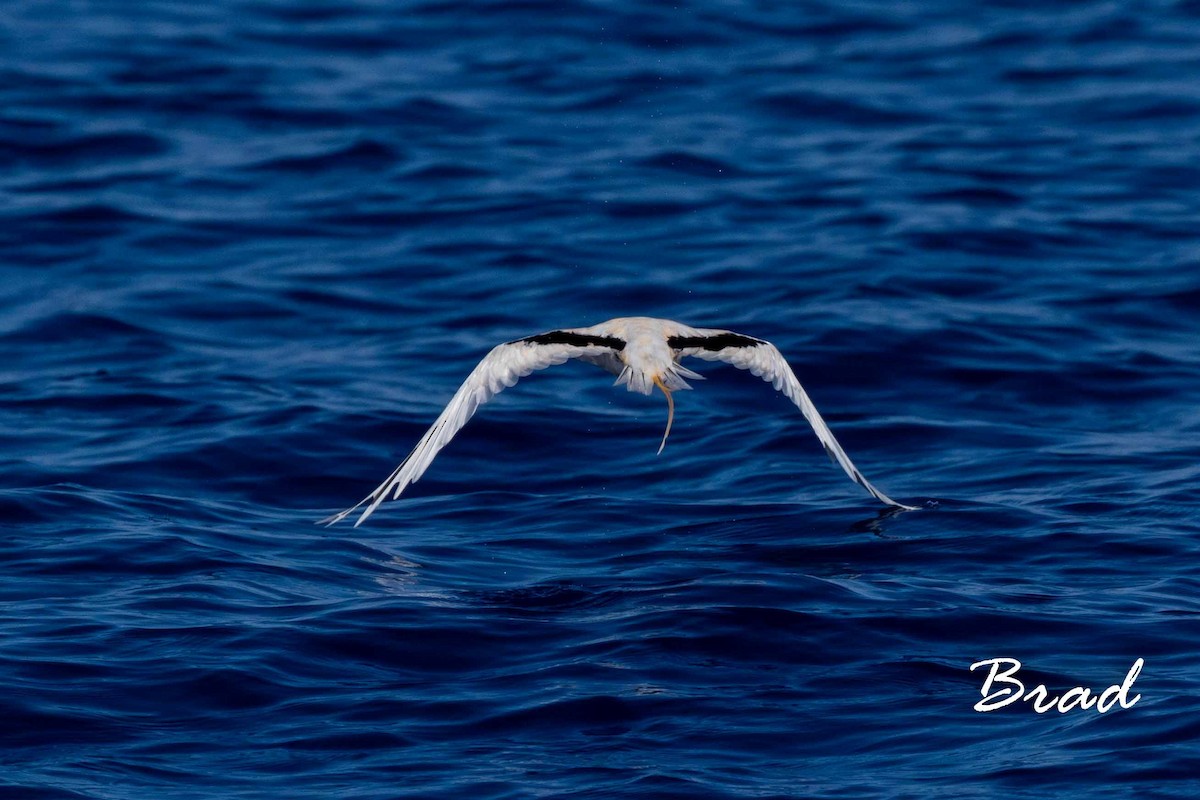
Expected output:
(763, 359)
(502, 367)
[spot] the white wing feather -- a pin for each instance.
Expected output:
(765, 361)
(502, 367)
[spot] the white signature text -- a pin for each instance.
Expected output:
(1001, 687)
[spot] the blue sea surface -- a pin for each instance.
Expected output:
(250, 248)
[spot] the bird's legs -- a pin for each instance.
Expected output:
(670, 412)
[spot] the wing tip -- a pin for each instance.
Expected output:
(334, 519)
(883, 498)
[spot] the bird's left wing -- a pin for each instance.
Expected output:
(502, 367)
(763, 359)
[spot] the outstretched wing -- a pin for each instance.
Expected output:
(763, 359)
(502, 367)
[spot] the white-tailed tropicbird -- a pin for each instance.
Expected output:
(643, 352)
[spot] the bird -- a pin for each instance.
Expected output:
(643, 352)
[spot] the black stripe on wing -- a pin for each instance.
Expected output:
(855, 475)
(576, 340)
(718, 341)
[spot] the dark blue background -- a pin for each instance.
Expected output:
(250, 248)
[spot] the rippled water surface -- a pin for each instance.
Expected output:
(250, 248)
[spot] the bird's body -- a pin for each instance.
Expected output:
(643, 352)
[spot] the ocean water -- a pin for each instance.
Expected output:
(249, 249)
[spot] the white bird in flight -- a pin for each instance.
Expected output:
(643, 352)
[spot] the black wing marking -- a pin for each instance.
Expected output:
(714, 342)
(575, 340)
